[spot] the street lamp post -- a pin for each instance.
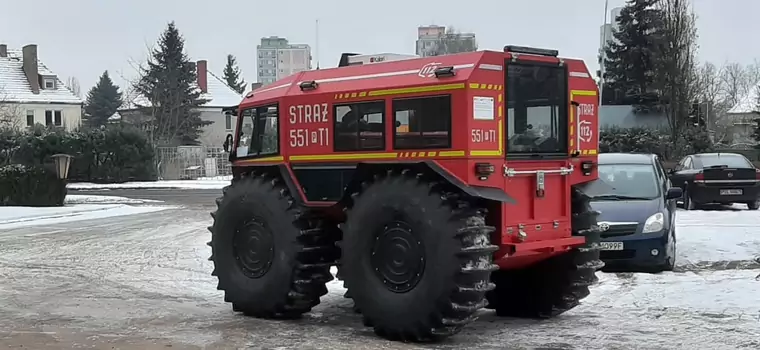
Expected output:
(62, 163)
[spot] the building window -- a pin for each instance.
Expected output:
(422, 122)
(30, 117)
(360, 126)
(228, 121)
(48, 118)
(49, 84)
(58, 118)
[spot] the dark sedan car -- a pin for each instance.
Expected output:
(638, 208)
(719, 178)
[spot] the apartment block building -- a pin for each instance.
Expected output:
(277, 58)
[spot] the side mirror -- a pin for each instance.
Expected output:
(674, 192)
(228, 143)
(398, 123)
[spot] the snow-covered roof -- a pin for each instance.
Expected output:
(748, 103)
(219, 95)
(14, 86)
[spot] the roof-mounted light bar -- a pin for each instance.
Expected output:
(308, 85)
(531, 51)
(443, 72)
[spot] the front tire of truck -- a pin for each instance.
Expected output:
(416, 257)
(271, 259)
(555, 285)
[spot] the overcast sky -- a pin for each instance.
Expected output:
(82, 38)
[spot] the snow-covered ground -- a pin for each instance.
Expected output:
(209, 184)
(76, 208)
(90, 199)
(147, 284)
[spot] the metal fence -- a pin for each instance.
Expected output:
(192, 162)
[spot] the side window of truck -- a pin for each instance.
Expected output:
(258, 132)
(422, 122)
(359, 126)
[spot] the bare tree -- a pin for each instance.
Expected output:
(453, 41)
(678, 76)
(73, 84)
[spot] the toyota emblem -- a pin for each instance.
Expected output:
(603, 226)
(730, 175)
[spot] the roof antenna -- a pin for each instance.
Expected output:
(316, 48)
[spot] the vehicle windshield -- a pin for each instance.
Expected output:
(536, 110)
(624, 182)
(724, 160)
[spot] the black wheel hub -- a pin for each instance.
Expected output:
(398, 257)
(254, 249)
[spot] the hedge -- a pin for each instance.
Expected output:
(658, 141)
(31, 186)
(110, 155)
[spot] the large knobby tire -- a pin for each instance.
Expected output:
(283, 259)
(555, 285)
(416, 258)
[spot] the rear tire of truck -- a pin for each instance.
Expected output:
(416, 258)
(753, 205)
(555, 285)
(272, 261)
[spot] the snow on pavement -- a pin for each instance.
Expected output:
(76, 208)
(167, 184)
(151, 276)
(707, 237)
(90, 199)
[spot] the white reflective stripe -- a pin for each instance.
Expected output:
(579, 74)
(385, 74)
(490, 66)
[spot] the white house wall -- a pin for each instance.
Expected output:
(71, 118)
(214, 135)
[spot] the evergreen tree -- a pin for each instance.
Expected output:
(232, 75)
(631, 60)
(103, 100)
(169, 83)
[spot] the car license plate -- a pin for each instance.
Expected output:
(730, 192)
(612, 245)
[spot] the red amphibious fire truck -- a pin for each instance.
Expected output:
(437, 186)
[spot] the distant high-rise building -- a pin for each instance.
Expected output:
(429, 36)
(277, 59)
(607, 30)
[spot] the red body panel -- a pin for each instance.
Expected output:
(306, 136)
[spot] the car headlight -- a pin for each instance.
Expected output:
(654, 223)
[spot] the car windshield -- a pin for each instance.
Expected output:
(624, 181)
(724, 160)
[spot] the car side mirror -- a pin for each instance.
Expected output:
(674, 192)
(228, 143)
(398, 123)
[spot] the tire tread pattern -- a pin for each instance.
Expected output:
(315, 255)
(476, 258)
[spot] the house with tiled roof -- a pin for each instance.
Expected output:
(214, 90)
(30, 93)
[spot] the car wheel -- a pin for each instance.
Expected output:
(753, 205)
(670, 249)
